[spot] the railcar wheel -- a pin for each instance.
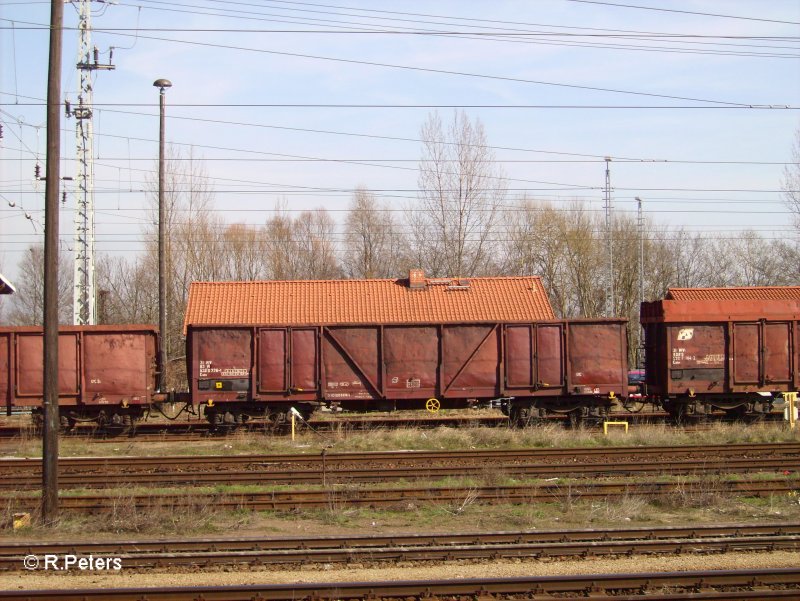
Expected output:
(276, 421)
(677, 413)
(575, 419)
(67, 423)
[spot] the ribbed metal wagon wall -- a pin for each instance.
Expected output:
(721, 351)
(98, 367)
(367, 367)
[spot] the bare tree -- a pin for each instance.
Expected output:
(302, 247)
(537, 246)
(461, 188)
(28, 302)
(283, 261)
(243, 252)
(129, 290)
(371, 239)
(315, 237)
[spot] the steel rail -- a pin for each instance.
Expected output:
(491, 545)
(777, 583)
(337, 496)
(258, 543)
(266, 476)
(296, 461)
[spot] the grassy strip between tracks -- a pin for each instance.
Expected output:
(689, 504)
(547, 436)
(691, 500)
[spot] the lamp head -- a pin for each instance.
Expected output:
(162, 83)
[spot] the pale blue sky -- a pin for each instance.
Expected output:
(710, 166)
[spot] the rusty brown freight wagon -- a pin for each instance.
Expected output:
(722, 349)
(259, 348)
(105, 373)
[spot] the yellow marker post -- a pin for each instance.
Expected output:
(291, 412)
(21, 520)
(607, 424)
(791, 410)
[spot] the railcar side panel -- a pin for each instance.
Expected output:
(221, 363)
(97, 366)
(697, 357)
(745, 350)
(519, 364)
(411, 357)
(549, 362)
(597, 357)
(778, 353)
(304, 375)
(720, 354)
(470, 361)
(117, 366)
(29, 376)
(272, 360)
(351, 364)
(534, 358)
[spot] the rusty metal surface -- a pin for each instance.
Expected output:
(12, 552)
(220, 360)
(774, 583)
(98, 365)
(718, 348)
(273, 474)
(597, 357)
(275, 552)
(356, 366)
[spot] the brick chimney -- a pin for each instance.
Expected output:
(416, 279)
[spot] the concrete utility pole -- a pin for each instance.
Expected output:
(84, 309)
(50, 400)
(162, 84)
(611, 301)
(640, 223)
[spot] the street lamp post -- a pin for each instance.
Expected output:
(162, 84)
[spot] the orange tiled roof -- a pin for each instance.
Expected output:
(723, 294)
(381, 301)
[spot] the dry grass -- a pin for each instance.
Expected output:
(344, 440)
(689, 502)
(694, 494)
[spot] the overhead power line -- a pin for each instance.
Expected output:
(466, 74)
(685, 12)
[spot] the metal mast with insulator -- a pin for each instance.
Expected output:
(611, 297)
(84, 310)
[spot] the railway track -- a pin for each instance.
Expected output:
(779, 583)
(277, 552)
(269, 476)
(336, 497)
(414, 458)
(391, 459)
(351, 468)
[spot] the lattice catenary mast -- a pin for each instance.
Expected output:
(84, 307)
(611, 301)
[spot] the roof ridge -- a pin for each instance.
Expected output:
(348, 281)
